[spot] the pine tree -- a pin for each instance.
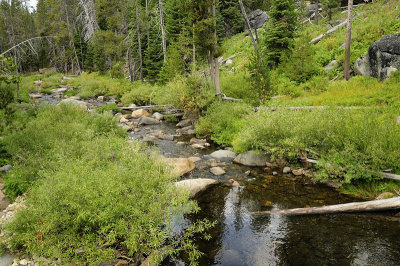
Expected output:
(280, 31)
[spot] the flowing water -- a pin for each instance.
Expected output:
(241, 238)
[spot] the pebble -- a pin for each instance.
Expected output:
(274, 173)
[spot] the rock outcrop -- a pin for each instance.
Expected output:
(382, 58)
(258, 18)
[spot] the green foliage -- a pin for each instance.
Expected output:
(280, 30)
(109, 107)
(222, 122)
(353, 143)
(117, 72)
(260, 77)
(95, 193)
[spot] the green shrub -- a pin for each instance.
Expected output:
(356, 143)
(223, 121)
(94, 194)
(71, 93)
(108, 107)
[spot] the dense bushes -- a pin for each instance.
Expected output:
(95, 193)
(356, 143)
(222, 122)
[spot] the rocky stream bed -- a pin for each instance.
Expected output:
(228, 187)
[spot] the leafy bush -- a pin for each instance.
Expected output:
(108, 107)
(95, 193)
(222, 122)
(355, 142)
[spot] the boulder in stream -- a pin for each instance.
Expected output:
(185, 123)
(287, 170)
(140, 113)
(195, 186)
(252, 158)
(181, 166)
(158, 116)
(217, 171)
(189, 130)
(223, 155)
(145, 120)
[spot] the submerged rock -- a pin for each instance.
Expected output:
(223, 155)
(195, 186)
(234, 183)
(217, 171)
(185, 123)
(252, 158)
(189, 130)
(145, 120)
(181, 166)
(298, 172)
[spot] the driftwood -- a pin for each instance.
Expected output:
(368, 206)
(149, 107)
(329, 32)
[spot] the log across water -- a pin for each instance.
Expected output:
(368, 206)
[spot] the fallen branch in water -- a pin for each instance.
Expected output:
(368, 206)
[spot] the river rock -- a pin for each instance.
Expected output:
(332, 65)
(189, 130)
(185, 123)
(35, 96)
(252, 158)
(181, 166)
(100, 99)
(287, 170)
(385, 195)
(161, 135)
(145, 120)
(6, 168)
(382, 58)
(217, 171)
(234, 183)
(298, 172)
(60, 90)
(223, 155)
(195, 159)
(258, 18)
(195, 186)
(81, 104)
(158, 116)
(140, 113)
(123, 120)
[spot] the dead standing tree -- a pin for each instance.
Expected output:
(348, 41)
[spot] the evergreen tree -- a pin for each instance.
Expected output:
(280, 31)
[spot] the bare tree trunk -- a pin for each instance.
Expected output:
(139, 41)
(216, 63)
(164, 40)
(131, 78)
(247, 22)
(348, 41)
(194, 49)
(316, 11)
(147, 24)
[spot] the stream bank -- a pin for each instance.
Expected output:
(241, 239)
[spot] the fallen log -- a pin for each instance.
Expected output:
(329, 32)
(368, 206)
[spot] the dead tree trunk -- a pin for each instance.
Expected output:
(164, 39)
(139, 40)
(368, 206)
(247, 22)
(316, 11)
(348, 41)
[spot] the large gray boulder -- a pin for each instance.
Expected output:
(258, 18)
(223, 155)
(145, 120)
(252, 158)
(382, 58)
(195, 186)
